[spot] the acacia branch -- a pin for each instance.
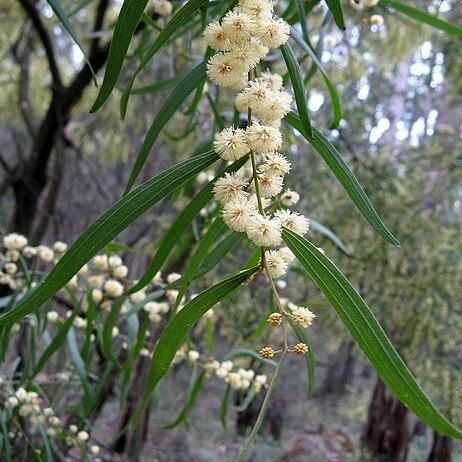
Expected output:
(31, 10)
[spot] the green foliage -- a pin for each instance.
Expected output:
(106, 228)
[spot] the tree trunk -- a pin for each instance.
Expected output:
(387, 428)
(130, 442)
(441, 449)
(339, 370)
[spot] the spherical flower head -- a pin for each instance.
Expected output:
(294, 221)
(83, 436)
(96, 295)
(234, 380)
(114, 261)
(100, 262)
(276, 264)
(45, 253)
(330, 41)
(155, 317)
(286, 254)
(29, 251)
(376, 20)
(227, 365)
(238, 85)
(230, 143)
(257, 48)
(59, 247)
(113, 288)
(229, 187)
(121, 271)
(258, 9)
(237, 213)
(221, 372)
(10, 268)
(256, 96)
(172, 277)
(241, 101)
(276, 108)
(266, 352)
(14, 241)
(289, 197)
(244, 57)
(302, 316)
(275, 319)
(270, 185)
(263, 231)
(138, 296)
(52, 316)
(215, 37)
(151, 307)
(301, 349)
(275, 164)
(162, 7)
(193, 355)
(273, 32)
(224, 70)
(238, 26)
(275, 81)
(263, 139)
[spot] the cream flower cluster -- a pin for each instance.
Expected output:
(242, 39)
(244, 36)
(361, 4)
(15, 249)
(238, 378)
(162, 7)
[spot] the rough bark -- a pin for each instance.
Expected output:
(387, 429)
(441, 449)
(339, 371)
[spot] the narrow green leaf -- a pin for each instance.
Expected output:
(424, 17)
(151, 23)
(57, 341)
(345, 176)
(261, 414)
(316, 226)
(336, 107)
(335, 7)
(178, 227)
(106, 228)
(79, 7)
(296, 78)
(125, 27)
(225, 406)
(177, 330)
(249, 397)
(59, 12)
(303, 336)
(218, 253)
(368, 334)
(300, 4)
(165, 84)
(171, 104)
(77, 361)
(180, 18)
(209, 335)
(194, 389)
(197, 257)
(108, 326)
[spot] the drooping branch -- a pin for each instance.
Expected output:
(30, 8)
